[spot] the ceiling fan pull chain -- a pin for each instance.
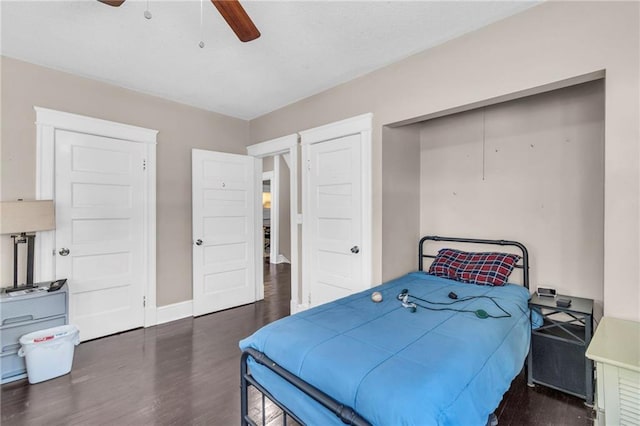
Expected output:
(147, 12)
(201, 44)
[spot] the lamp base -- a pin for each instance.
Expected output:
(20, 288)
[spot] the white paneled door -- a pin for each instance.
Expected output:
(99, 193)
(333, 225)
(224, 232)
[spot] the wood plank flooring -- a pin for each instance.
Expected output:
(187, 372)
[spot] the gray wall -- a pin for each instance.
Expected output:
(180, 127)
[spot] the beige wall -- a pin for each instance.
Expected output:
(401, 207)
(180, 127)
(548, 43)
(267, 164)
(530, 170)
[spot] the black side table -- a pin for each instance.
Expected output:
(557, 353)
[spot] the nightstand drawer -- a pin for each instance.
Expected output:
(13, 367)
(11, 334)
(27, 309)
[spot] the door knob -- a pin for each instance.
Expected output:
(355, 249)
(64, 251)
(198, 242)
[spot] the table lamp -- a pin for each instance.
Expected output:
(20, 218)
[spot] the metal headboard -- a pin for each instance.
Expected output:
(525, 254)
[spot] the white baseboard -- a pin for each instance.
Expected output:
(296, 307)
(282, 259)
(175, 311)
(302, 307)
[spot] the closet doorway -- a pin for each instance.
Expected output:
(280, 224)
(269, 220)
(276, 217)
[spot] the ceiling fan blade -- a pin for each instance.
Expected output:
(237, 18)
(114, 3)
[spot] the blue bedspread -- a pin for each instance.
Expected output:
(395, 367)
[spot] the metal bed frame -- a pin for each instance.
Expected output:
(524, 258)
(345, 413)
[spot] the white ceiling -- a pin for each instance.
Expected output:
(306, 46)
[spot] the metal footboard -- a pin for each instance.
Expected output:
(347, 414)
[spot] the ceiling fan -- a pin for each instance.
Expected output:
(232, 12)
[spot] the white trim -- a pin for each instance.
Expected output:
(273, 146)
(350, 126)
(47, 122)
(150, 314)
(367, 203)
(294, 173)
(286, 144)
(286, 157)
(274, 245)
(174, 311)
(362, 125)
(282, 259)
(258, 233)
(93, 126)
(299, 307)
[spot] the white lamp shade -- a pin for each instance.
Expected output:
(26, 216)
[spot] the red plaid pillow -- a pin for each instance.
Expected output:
(447, 262)
(487, 268)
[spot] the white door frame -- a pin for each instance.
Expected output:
(362, 125)
(274, 211)
(47, 122)
(288, 147)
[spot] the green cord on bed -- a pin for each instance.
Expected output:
(480, 313)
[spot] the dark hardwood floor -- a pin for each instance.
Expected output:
(187, 372)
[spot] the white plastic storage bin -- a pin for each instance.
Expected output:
(49, 353)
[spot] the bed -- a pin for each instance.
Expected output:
(434, 351)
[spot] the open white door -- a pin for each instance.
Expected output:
(225, 207)
(336, 197)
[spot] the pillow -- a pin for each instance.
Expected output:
(447, 262)
(487, 268)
